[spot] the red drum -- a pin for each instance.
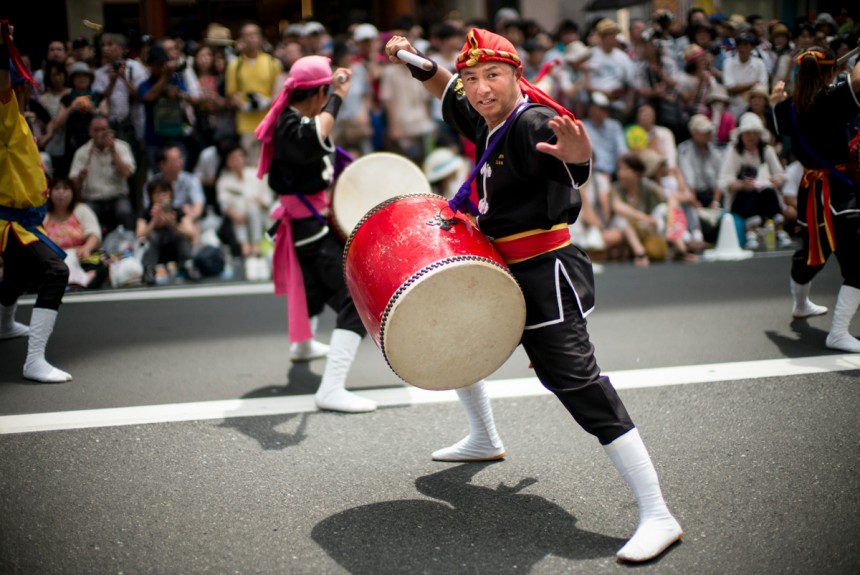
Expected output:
(370, 180)
(433, 293)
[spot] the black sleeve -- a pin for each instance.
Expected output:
(457, 112)
(531, 128)
(41, 113)
(782, 118)
(297, 140)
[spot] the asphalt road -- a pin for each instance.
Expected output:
(764, 473)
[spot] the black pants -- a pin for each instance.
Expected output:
(166, 245)
(562, 354)
(846, 231)
(322, 268)
(34, 267)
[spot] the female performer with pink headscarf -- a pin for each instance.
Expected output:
(298, 156)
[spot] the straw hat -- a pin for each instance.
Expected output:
(718, 93)
(217, 35)
(700, 124)
(607, 26)
(757, 90)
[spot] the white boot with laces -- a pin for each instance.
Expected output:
(482, 443)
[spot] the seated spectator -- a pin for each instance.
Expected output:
(77, 108)
(244, 200)
(101, 169)
(607, 135)
(187, 191)
(660, 138)
(614, 234)
(699, 161)
(724, 121)
(758, 100)
(638, 199)
(169, 232)
(678, 197)
(751, 174)
(74, 227)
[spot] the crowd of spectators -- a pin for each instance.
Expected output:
(150, 145)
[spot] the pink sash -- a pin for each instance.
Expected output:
(287, 273)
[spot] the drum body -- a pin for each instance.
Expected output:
(371, 180)
(433, 293)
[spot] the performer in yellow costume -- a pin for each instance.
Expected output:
(31, 260)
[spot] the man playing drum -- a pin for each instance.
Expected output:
(528, 192)
(297, 154)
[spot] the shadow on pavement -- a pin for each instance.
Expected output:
(477, 529)
(809, 340)
(264, 430)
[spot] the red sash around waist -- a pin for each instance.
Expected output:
(814, 220)
(526, 245)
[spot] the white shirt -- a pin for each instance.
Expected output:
(103, 181)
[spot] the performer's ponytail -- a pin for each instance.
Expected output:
(815, 68)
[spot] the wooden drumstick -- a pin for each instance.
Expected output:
(845, 57)
(415, 60)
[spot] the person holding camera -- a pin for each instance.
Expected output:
(251, 86)
(116, 80)
(168, 232)
(100, 169)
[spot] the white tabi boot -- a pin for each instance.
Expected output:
(802, 306)
(657, 529)
(847, 303)
(332, 394)
(10, 328)
(309, 349)
(36, 366)
(482, 443)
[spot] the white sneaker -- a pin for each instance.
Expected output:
(752, 241)
(783, 240)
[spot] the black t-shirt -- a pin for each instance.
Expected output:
(524, 189)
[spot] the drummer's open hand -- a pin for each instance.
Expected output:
(573, 146)
(396, 44)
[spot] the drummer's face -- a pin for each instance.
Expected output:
(492, 88)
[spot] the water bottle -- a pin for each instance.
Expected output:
(770, 236)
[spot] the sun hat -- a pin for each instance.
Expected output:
(441, 163)
(577, 52)
(607, 26)
(80, 68)
(699, 123)
(364, 32)
(217, 35)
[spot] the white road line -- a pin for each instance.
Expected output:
(164, 293)
(406, 396)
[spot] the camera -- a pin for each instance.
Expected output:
(253, 100)
(181, 67)
(748, 172)
(117, 65)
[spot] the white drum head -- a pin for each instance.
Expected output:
(369, 181)
(455, 325)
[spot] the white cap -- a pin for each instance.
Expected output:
(441, 163)
(365, 32)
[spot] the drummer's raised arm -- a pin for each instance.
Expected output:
(435, 80)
